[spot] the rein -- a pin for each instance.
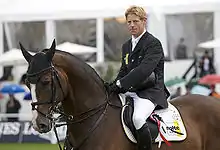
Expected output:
(94, 126)
(70, 118)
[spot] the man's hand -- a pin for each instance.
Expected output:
(112, 87)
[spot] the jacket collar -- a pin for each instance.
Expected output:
(139, 44)
(133, 39)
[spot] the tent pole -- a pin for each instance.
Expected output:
(1, 45)
(100, 40)
(50, 28)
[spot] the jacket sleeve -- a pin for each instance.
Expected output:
(123, 69)
(152, 56)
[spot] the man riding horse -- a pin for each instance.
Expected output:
(56, 78)
(142, 58)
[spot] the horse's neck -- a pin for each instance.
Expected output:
(85, 89)
(84, 93)
(85, 96)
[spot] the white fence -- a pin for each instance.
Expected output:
(21, 116)
(23, 128)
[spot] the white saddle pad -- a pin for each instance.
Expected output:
(172, 120)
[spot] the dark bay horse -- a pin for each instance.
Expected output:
(56, 77)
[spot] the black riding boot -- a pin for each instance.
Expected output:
(144, 139)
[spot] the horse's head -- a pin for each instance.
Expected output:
(45, 84)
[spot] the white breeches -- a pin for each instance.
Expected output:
(142, 109)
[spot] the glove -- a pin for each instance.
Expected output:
(112, 87)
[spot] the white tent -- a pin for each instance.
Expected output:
(12, 57)
(15, 57)
(76, 48)
(210, 44)
(49, 10)
(31, 10)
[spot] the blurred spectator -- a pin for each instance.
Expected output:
(7, 74)
(188, 90)
(12, 106)
(181, 50)
(178, 93)
(206, 65)
(213, 92)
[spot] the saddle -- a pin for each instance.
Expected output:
(165, 124)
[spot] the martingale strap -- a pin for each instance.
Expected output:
(158, 120)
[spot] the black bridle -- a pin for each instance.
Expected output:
(70, 119)
(53, 101)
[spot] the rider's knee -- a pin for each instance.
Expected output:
(138, 121)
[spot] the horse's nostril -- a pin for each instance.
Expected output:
(43, 127)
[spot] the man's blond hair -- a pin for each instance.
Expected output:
(136, 10)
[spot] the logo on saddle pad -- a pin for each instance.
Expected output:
(165, 124)
(173, 128)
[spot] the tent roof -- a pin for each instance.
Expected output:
(76, 48)
(35, 10)
(27, 10)
(12, 57)
(15, 56)
(210, 44)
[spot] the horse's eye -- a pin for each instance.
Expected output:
(45, 82)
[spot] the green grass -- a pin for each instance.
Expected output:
(31, 146)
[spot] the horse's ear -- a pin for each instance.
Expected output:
(51, 52)
(25, 53)
(53, 46)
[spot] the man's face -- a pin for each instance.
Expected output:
(135, 25)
